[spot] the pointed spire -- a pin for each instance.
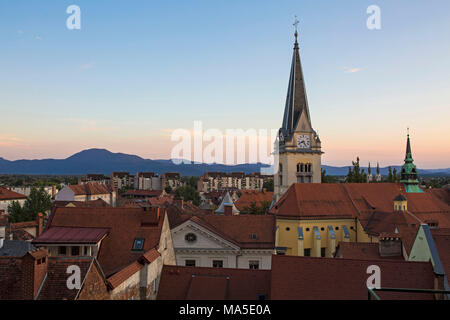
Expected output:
(378, 167)
(296, 100)
(409, 174)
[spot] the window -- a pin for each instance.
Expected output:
(253, 264)
(217, 263)
(337, 228)
(322, 252)
(138, 244)
(254, 236)
(86, 251)
(288, 229)
(307, 252)
(62, 251)
(262, 297)
(189, 263)
(190, 237)
(322, 229)
(307, 229)
(75, 251)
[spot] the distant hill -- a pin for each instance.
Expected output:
(104, 161)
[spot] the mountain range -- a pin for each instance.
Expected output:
(106, 162)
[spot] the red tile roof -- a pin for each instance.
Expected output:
(314, 201)
(248, 197)
(305, 278)
(10, 277)
(371, 203)
(6, 194)
(72, 235)
(441, 238)
(55, 285)
(99, 203)
(91, 188)
(362, 251)
(143, 193)
(124, 224)
(190, 283)
(236, 229)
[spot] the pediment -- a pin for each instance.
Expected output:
(205, 238)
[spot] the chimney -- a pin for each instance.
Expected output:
(40, 224)
(151, 217)
(390, 246)
(34, 271)
(179, 202)
(228, 210)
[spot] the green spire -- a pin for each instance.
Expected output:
(409, 171)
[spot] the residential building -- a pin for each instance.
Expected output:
(121, 180)
(130, 244)
(88, 192)
(7, 197)
(172, 180)
(147, 181)
(221, 181)
(95, 177)
(299, 145)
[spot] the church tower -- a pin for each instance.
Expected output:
(409, 176)
(298, 144)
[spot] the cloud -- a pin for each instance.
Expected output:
(38, 38)
(87, 66)
(352, 70)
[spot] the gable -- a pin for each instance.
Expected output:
(205, 239)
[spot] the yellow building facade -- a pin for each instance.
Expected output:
(316, 238)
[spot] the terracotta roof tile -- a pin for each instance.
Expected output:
(6, 194)
(72, 235)
(248, 197)
(182, 283)
(91, 188)
(345, 279)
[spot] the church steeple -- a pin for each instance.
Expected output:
(409, 174)
(296, 100)
(298, 145)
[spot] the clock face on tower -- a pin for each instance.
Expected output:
(303, 141)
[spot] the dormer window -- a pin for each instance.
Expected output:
(138, 244)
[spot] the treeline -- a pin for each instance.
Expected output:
(14, 180)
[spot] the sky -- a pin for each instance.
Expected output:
(138, 70)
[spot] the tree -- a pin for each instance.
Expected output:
(16, 212)
(390, 177)
(268, 185)
(188, 193)
(168, 189)
(328, 179)
(256, 209)
(356, 175)
(37, 201)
